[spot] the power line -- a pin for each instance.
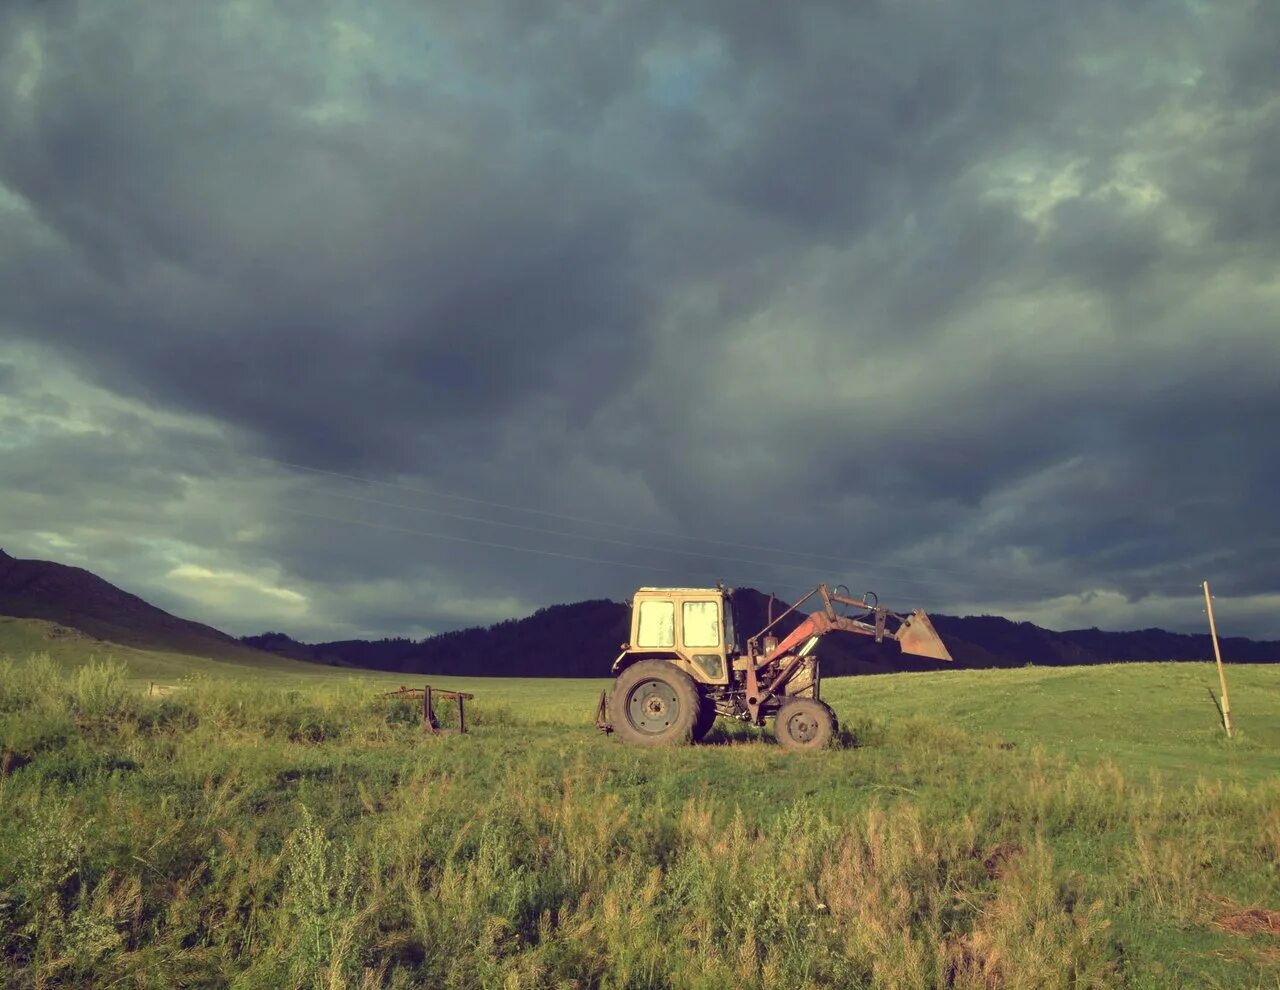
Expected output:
(506, 506)
(416, 489)
(808, 569)
(506, 546)
(740, 580)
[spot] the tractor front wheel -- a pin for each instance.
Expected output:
(803, 723)
(654, 703)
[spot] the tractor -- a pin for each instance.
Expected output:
(684, 665)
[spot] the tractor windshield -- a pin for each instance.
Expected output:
(730, 637)
(657, 624)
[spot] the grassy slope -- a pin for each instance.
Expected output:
(20, 638)
(1158, 717)
(1099, 847)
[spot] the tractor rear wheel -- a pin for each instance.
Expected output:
(654, 703)
(803, 723)
(706, 718)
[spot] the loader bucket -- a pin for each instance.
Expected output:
(917, 636)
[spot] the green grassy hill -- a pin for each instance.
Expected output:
(69, 648)
(1083, 827)
(78, 599)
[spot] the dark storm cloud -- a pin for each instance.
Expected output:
(229, 256)
(983, 289)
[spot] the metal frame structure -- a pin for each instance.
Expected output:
(428, 694)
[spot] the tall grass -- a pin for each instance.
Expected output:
(252, 837)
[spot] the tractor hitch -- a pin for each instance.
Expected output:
(602, 714)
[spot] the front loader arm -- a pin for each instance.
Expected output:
(819, 624)
(913, 633)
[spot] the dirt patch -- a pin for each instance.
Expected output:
(967, 962)
(997, 861)
(1250, 921)
(322, 774)
(11, 760)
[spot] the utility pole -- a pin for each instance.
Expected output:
(1222, 674)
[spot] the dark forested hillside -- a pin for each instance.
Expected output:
(576, 640)
(582, 640)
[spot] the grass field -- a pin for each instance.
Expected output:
(69, 648)
(1080, 827)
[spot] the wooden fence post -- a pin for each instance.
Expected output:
(1217, 653)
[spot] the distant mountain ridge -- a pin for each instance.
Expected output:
(80, 600)
(577, 640)
(582, 639)
(573, 640)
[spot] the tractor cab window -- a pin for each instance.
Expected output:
(701, 624)
(657, 624)
(730, 635)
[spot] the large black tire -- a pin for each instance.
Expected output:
(802, 723)
(654, 703)
(706, 719)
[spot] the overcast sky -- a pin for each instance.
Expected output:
(350, 319)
